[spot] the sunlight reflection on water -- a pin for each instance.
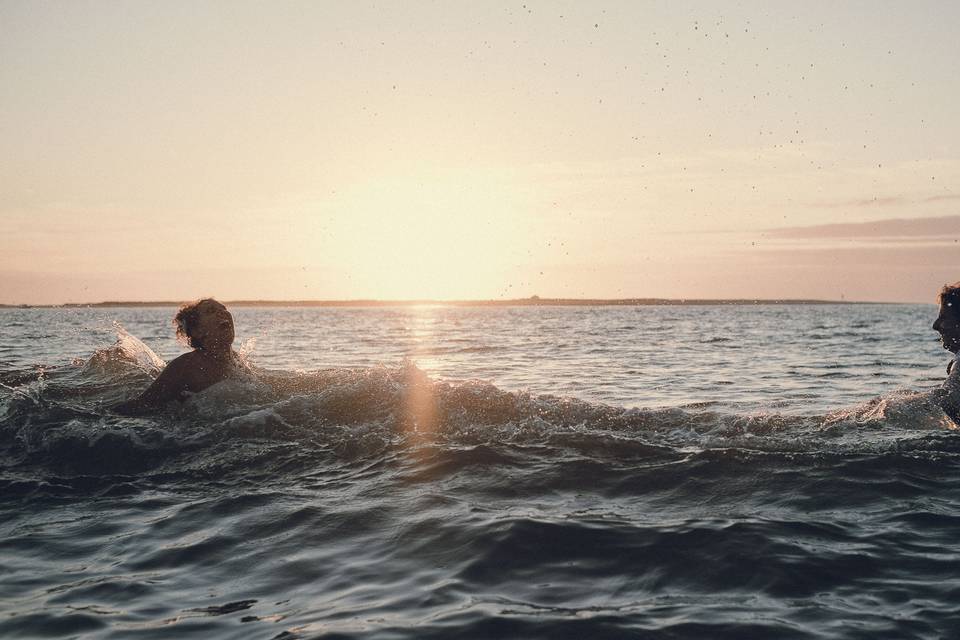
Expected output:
(790, 357)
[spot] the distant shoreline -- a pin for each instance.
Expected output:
(515, 302)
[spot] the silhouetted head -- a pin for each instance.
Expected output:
(947, 323)
(205, 325)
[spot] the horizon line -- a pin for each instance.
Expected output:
(529, 301)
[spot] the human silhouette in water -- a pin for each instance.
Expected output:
(947, 325)
(207, 326)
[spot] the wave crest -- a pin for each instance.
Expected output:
(61, 417)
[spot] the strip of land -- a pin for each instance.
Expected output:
(534, 301)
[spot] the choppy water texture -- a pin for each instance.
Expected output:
(649, 472)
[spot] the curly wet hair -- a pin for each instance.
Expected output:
(950, 296)
(186, 319)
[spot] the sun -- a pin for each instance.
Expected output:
(431, 235)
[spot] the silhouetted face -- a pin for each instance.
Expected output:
(947, 325)
(213, 330)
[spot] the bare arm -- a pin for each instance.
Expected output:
(175, 378)
(948, 395)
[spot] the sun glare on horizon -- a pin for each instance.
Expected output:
(428, 235)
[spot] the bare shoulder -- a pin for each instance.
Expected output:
(184, 360)
(177, 377)
(948, 395)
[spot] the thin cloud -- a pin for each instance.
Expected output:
(877, 201)
(943, 198)
(882, 258)
(942, 227)
(860, 202)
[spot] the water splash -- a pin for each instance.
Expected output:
(62, 416)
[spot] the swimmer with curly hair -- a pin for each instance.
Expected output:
(207, 327)
(947, 325)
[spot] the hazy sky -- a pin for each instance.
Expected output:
(288, 150)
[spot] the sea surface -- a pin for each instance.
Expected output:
(483, 472)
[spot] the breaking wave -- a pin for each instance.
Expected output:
(61, 418)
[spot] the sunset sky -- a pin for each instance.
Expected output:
(454, 150)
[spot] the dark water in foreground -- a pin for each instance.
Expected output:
(786, 479)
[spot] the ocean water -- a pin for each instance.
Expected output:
(483, 472)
